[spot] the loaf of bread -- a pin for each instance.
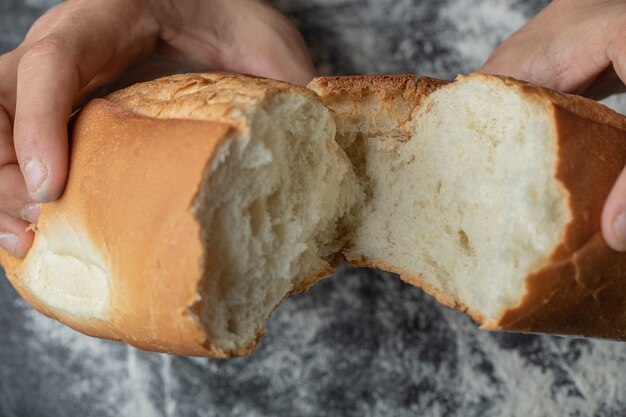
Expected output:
(196, 203)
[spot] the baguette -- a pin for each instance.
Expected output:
(196, 203)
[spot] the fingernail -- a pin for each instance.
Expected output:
(31, 213)
(36, 173)
(8, 242)
(619, 227)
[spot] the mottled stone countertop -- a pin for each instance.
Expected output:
(359, 344)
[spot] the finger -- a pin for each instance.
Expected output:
(614, 215)
(243, 36)
(144, 69)
(562, 48)
(15, 202)
(546, 62)
(51, 74)
(14, 236)
(14, 198)
(283, 53)
(527, 54)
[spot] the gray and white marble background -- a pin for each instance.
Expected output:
(359, 344)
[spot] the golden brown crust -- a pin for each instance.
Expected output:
(308, 281)
(583, 291)
(416, 280)
(215, 96)
(380, 105)
(384, 87)
(382, 102)
(120, 205)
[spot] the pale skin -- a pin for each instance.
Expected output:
(573, 45)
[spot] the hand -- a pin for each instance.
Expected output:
(576, 46)
(81, 45)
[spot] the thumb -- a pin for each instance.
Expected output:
(614, 215)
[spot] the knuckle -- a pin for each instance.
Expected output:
(47, 48)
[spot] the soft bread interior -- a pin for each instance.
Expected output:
(468, 204)
(67, 273)
(269, 210)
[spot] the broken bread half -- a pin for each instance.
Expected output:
(487, 192)
(196, 203)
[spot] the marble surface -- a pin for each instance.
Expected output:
(359, 344)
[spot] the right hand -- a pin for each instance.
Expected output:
(80, 45)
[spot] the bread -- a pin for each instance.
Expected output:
(183, 223)
(487, 192)
(196, 203)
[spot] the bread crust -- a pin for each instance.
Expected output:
(391, 99)
(178, 124)
(385, 86)
(215, 96)
(150, 294)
